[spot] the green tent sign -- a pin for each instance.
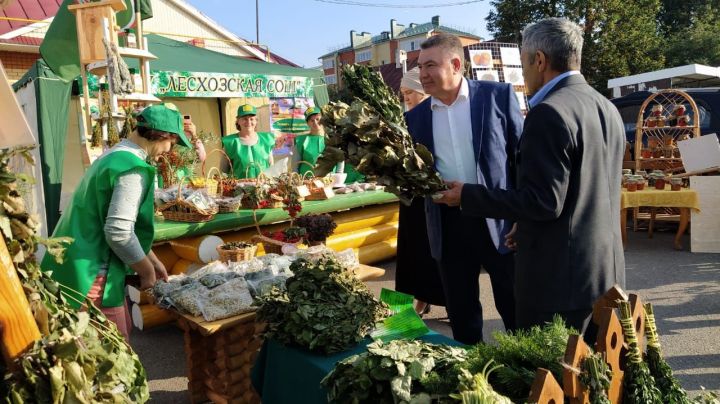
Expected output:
(291, 125)
(228, 85)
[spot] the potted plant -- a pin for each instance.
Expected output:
(318, 227)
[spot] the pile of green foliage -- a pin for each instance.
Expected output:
(323, 308)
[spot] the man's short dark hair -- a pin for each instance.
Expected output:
(448, 43)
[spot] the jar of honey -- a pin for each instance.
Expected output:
(639, 182)
(676, 184)
(631, 185)
(660, 182)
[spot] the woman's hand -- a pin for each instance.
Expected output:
(509, 238)
(158, 266)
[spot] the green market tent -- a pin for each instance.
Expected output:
(53, 99)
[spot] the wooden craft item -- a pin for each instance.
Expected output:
(610, 343)
(575, 353)
(609, 299)
(90, 30)
(638, 316)
(545, 389)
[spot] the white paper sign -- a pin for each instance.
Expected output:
(700, 153)
(510, 56)
(489, 75)
(514, 76)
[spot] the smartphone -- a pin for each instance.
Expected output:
(187, 117)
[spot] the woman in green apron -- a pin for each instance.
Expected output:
(250, 152)
(111, 219)
(309, 147)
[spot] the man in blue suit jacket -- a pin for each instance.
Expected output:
(473, 129)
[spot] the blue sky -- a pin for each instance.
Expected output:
(302, 30)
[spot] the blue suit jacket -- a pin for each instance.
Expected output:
(496, 128)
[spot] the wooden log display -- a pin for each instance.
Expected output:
(138, 296)
(219, 363)
(377, 252)
(197, 249)
(19, 330)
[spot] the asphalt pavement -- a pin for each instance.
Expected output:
(683, 287)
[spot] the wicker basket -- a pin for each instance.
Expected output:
(271, 246)
(237, 254)
(181, 210)
(228, 207)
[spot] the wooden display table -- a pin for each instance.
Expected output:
(220, 354)
(685, 199)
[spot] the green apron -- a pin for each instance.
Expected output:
(249, 161)
(308, 148)
(84, 220)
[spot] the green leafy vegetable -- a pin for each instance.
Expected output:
(390, 372)
(596, 376)
(477, 390)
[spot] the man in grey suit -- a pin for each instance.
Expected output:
(567, 201)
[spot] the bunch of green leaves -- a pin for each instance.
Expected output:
(596, 376)
(81, 358)
(324, 308)
(668, 385)
(475, 389)
(378, 148)
(638, 384)
(520, 353)
(390, 372)
(368, 86)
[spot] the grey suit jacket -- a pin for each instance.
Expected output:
(567, 201)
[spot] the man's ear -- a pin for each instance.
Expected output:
(456, 64)
(541, 61)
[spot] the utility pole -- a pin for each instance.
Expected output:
(257, 21)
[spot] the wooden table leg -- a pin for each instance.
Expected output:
(623, 226)
(684, 219)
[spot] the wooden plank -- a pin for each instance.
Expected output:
(19, 330)
(545, 389)
(575, 354)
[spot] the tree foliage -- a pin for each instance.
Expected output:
(623, 37)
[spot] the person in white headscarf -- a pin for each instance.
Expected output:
(411, 89)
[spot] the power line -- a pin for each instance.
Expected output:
(393, 5)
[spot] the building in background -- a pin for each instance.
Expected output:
(23, 25)
(382, 50)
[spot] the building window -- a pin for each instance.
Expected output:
(328, 63)
(412, 45)
(331, 79)
(363, 56)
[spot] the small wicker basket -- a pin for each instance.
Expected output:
(181, 210)
(237, 254)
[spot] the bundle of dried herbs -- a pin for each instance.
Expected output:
(475, 389)
(81, 358)
(520, 353)
(638, 384)
(595, 375)
(324, 308)
(371, 134)
(668, 385)
(390, 372)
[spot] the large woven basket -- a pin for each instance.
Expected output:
(228, 207)
(237, 254)
(181, 210)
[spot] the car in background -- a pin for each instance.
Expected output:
(706, 99)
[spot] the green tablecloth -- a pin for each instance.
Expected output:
(291, 375)
(169, 230)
